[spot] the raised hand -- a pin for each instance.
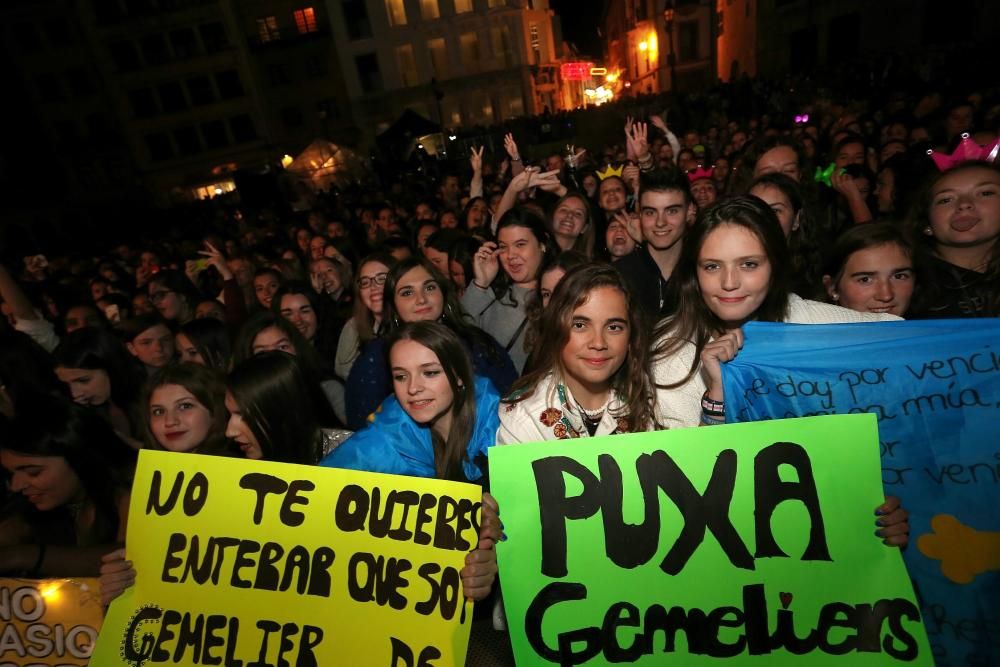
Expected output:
(723, 348)
(485, 265)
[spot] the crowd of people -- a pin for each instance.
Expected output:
(580, 292)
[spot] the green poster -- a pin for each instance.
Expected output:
(748, 542)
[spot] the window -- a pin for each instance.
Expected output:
(159, 146)
(407, 65)
(305, 21)
(243, 128)
(291, 117)
(124, 55)
(171, 97)
(187, 140)
(213, 36)
(214, 134)
(396, 11)
(278, 74)
(429, 10)
(493, 4)
(184, 42)
(439, 58)
(536, 45)
(463, 6)
(200, 90)
(267, 29)
(687, 41)
(356, 19)
(143, 103)
(500, 39)
(369, 75)
(469, 45)
(228, 84)
(154, 49)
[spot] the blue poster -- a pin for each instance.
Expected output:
(935, 388)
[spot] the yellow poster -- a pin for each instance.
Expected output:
(264, 564)
(48, 622)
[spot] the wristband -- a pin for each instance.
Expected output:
(516, 159)
(480, 286)
(711, 421)
(711, 406)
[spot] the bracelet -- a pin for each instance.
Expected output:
(480, 286)
(516, 159)
(712, 406)
(711, 421)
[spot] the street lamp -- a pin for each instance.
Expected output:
(668, 24)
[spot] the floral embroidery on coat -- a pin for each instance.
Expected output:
(550, 416)
(622, 425)
(560, 430)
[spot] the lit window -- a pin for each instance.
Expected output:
(267, 29)
(429, 9)
(407, 65)
(396, 12)
(469, 43)
(305, 20)
(439, 58)
(462, 6)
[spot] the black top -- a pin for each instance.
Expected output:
(649, 289)
(948, 291)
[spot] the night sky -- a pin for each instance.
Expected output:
(580, 21)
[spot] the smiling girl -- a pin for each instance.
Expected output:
(185, 411)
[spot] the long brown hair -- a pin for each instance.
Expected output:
(208, 386)
(633, 381)
(445, 344)
(694, 322)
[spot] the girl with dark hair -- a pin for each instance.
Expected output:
(590, 370)
(99, 374)
(317, 321)
(476, 215)
(366, 322)
(439, 423)
(870, 270)
(174, 296)
(550, 276)
(460, 262)
(205, 342)
(267, 332)
(76, 473)
(415, 292)
(331, 279)
(497, 299)
(266, 282)
(734, 267)
(572, 224)
(958, 220)
(184, 411)
(277, 413)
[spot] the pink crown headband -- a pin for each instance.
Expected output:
(700, 173)
(967, 150)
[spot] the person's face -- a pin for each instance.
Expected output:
(421, 385)
(864, 187)
(241, 271)
(154, 347)
(210, 308)
(424, 212)
(965, 208)
(423, 234)
(141, 305)
(168, 302)
(663, 217)
(890, 149)
(919, 135)
(449, 220)
(302, 238)
(187, 353)
(690, 139)
(418, 297)
(296, 309)
(520, 253)
(385, 219)
(618, 241)
(687, 161)
(553, 163)
(178, 421)
(570, 219)
(703, 192)
(148, 261)
(336, 230)
(270, 339)
(884, 190)
(457, 273)
(325, 274)
(734, 273)
(87, 386)
(598, 341)
(240, 432)
(477, 215)
(721, 170)
(876, 280)
(371, 286)
(590, 184)
(317, 245)
(450, 185)
(739, 140)
(612, 195)
(788, 217)
(959, 120)
(853, 153)
(665, 154)
(779, 160)
(896, 132)
(438, 258)
(79, 317)
(547, 283)
(48, 482)
(264, 287)
(98, 290)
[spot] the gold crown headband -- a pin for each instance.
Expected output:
(611, 171)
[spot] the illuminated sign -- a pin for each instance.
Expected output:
(577, 71)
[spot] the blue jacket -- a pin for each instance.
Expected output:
(369, 383)
(393, 443)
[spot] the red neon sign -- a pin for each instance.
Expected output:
(575, 71)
